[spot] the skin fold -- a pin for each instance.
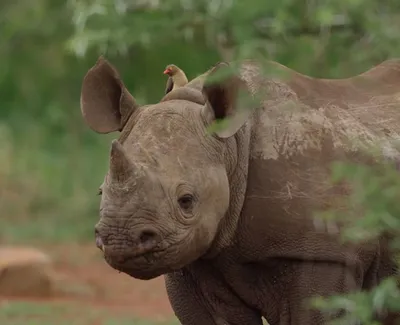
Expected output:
(228, 217)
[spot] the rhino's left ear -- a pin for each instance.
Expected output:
(224, 92)
(106, 104)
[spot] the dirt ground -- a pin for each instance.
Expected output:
(85, 278)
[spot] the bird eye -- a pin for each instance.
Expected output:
(186, 202)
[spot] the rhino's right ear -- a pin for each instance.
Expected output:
(225, 91)
(106, 104)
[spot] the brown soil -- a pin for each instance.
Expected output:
(86, 278)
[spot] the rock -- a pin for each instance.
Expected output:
(25, 272)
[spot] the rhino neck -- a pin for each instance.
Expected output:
(237, 162)
(240, 147)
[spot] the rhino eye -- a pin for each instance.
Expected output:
(100, 191)
(186, 202)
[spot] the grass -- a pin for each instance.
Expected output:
(62, 313)
(48, 185)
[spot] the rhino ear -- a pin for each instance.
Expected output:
(223, 90)
(106, 104)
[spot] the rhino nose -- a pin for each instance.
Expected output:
(140, 240)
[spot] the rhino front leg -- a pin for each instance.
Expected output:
(193, 306)
(186, 301)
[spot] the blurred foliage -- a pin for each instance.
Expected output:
(361, 307)
(375, 198)
(51, 164)
(322, 38)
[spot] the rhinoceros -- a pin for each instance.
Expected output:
(228, 216)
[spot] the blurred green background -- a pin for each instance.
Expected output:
(51, 165)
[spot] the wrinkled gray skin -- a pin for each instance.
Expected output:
(228, 217)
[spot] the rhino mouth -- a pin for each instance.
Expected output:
(149, 262)
(140, 258)
(143, 267)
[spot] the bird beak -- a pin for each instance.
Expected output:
(166, 71)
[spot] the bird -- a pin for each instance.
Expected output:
(177, 78)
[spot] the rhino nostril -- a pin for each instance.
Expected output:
(147, 236)
(99, 241)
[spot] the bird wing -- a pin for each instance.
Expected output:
(170, 85)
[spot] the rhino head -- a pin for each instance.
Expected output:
(173, 191)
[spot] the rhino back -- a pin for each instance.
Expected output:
(303, 126)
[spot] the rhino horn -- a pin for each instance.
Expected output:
(121, 168)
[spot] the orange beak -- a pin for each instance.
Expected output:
(167, 71)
